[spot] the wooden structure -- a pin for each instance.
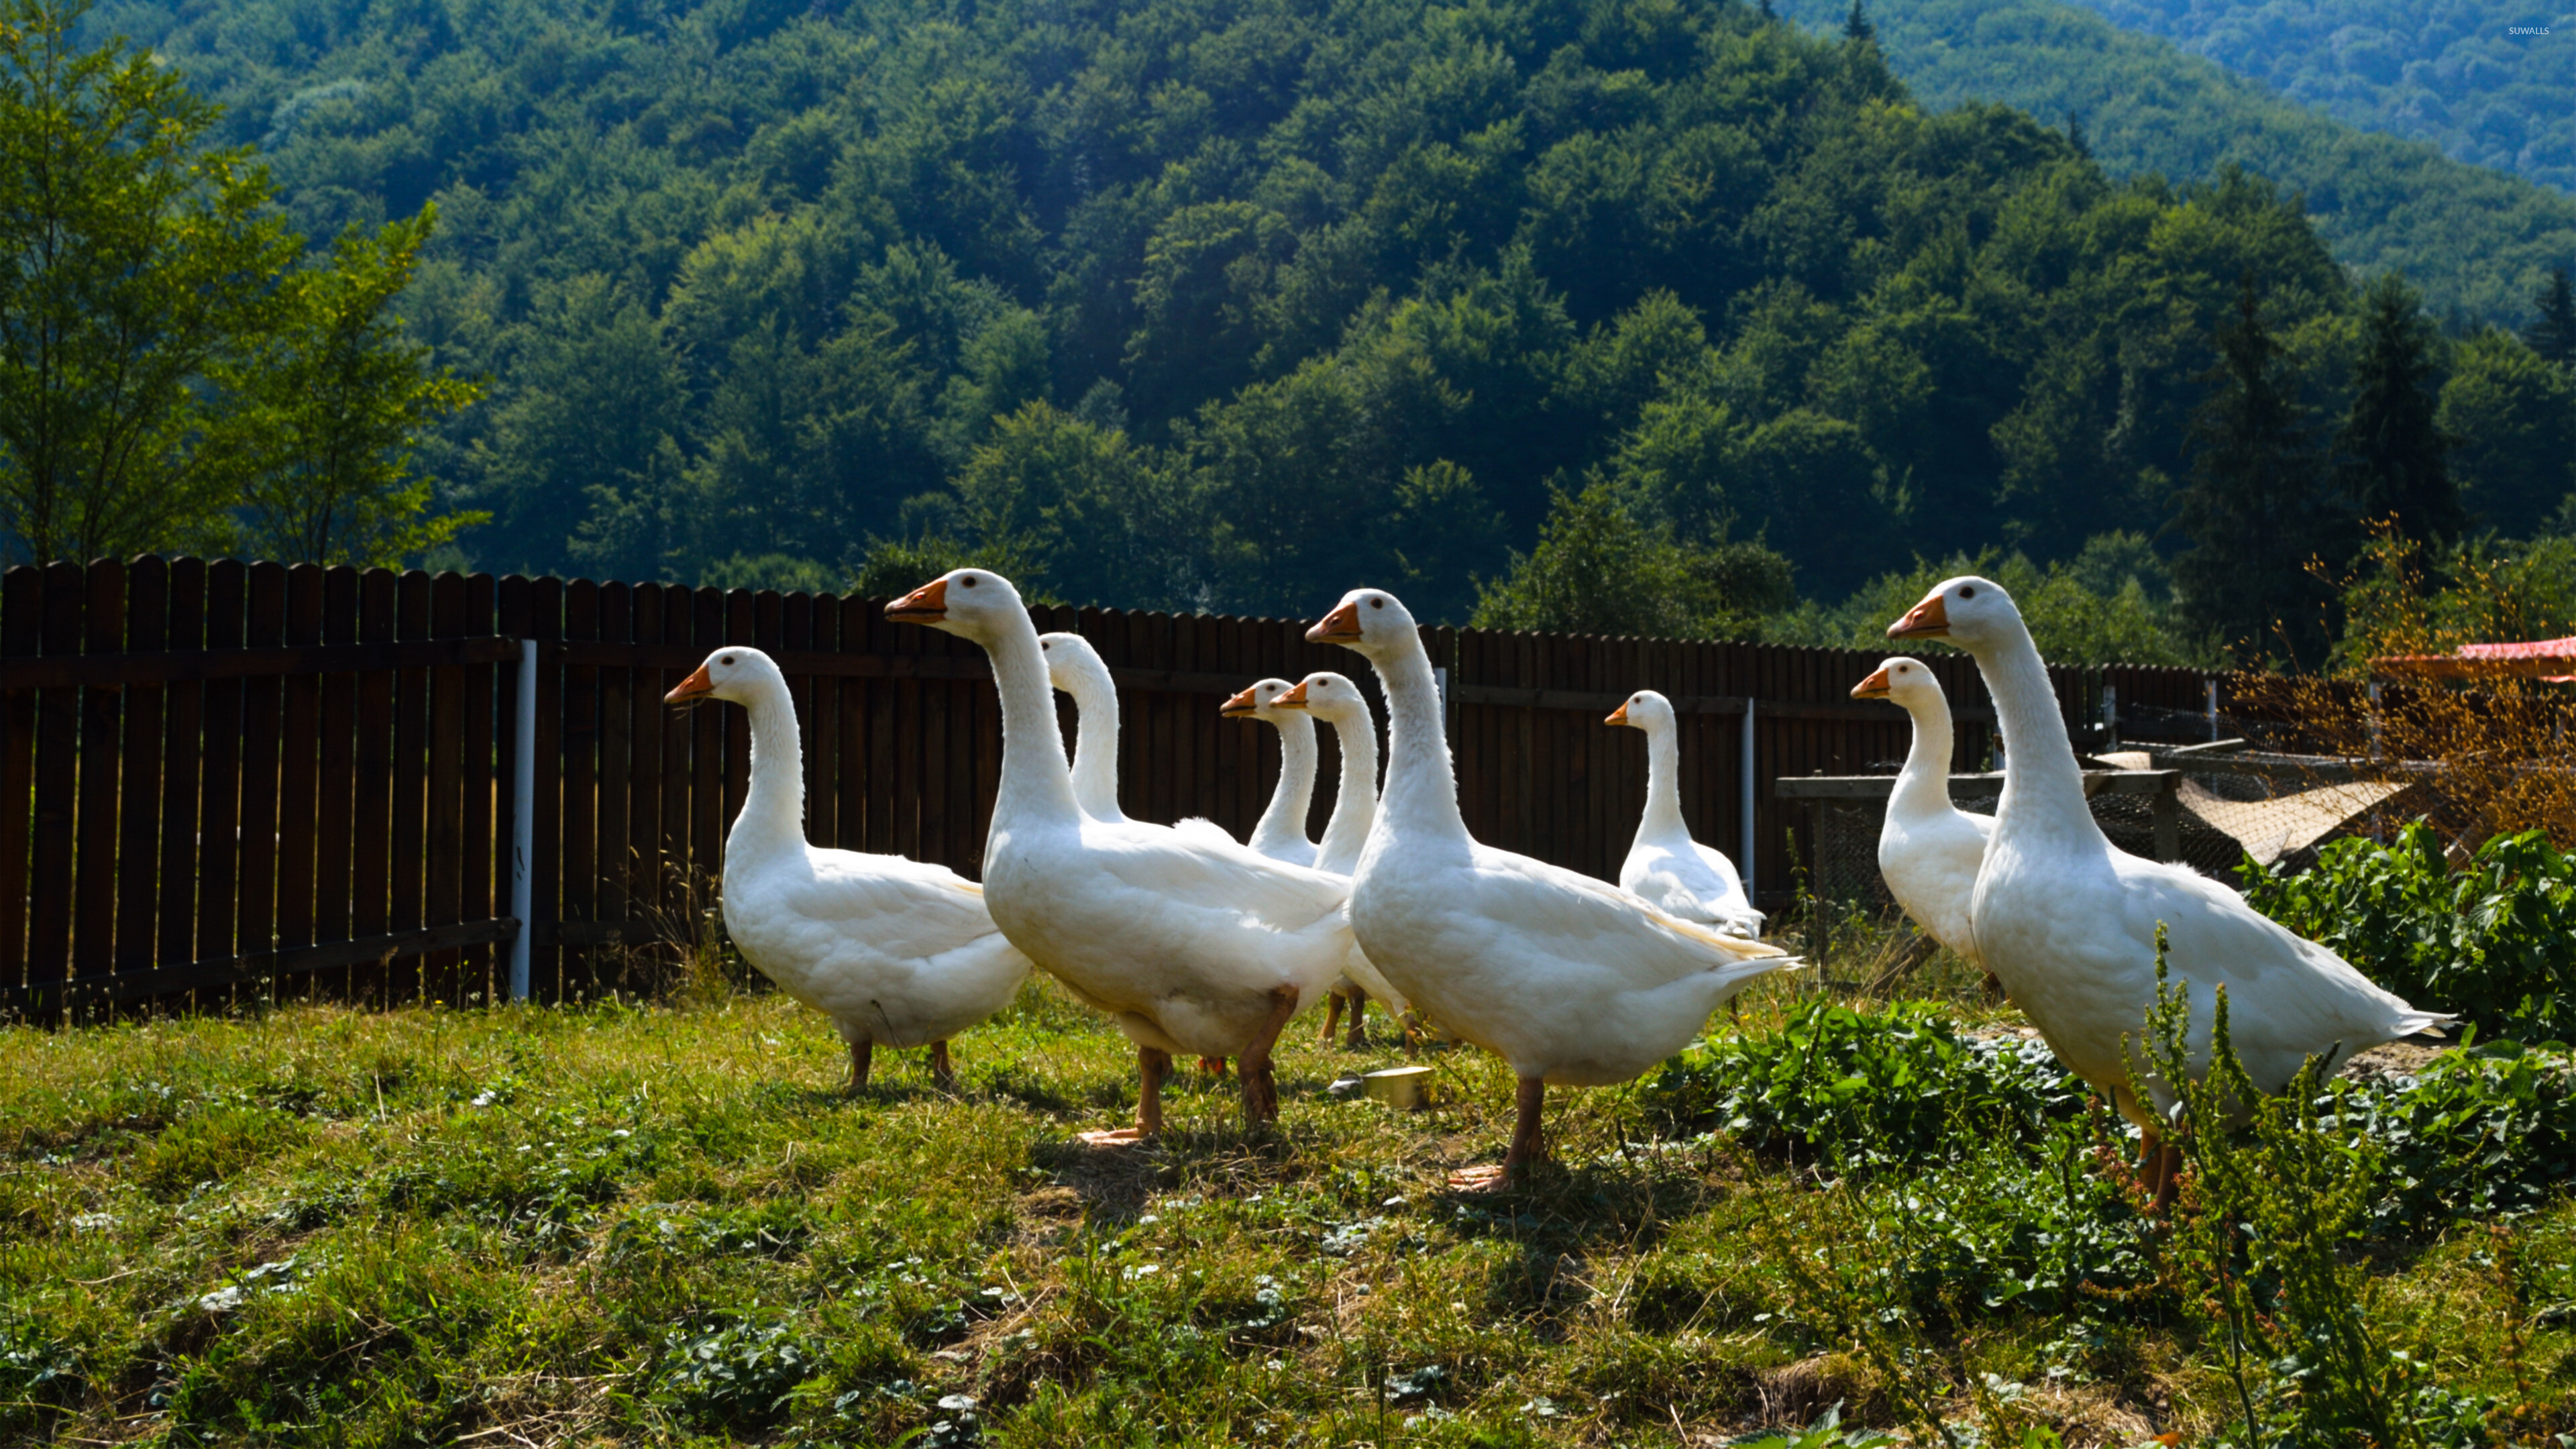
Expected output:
(227, 776)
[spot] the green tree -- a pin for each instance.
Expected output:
(335, 408)
(1601, 569)
(2515, 417)
(2553, 333)
(2258, 509)
(143, 278)
(2395, 454)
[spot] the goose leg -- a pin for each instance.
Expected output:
(2161, 1166)
(1332, 1016)
(1150, 1067)
(1260, 1087)
(942, 1070)
(1357, 1041)
(1213, 1066)
(1529, 1106)
(862, 1054)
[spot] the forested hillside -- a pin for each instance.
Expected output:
(2487, 81)
(1230, 303)
(2475, 241)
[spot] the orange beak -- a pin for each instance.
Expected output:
(1295, 698)
(1619, 715)
(1874, 687)
(690, 688)
(925, 605)
(1927, 620)
(1342, 626)
(1239, 707)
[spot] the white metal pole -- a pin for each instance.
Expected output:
(1744, 842)
(523, 820)
(2211, 685)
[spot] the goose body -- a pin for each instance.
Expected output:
(1929, 850)
(1572, 981)
(1189, 945)
(1665, 866)
(895, 952)
(2067, 921)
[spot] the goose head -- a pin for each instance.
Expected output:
(736, 672)
(1072, 663)
(1644, 710)
(1257, 700)
(1371, 621)
(1327, 696)
(971, 603)
(1970, 612)
(1908, 682)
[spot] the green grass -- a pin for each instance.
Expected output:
(662, 1224)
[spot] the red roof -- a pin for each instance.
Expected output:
(2547, 659)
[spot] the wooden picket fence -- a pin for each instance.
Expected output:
(227, 778)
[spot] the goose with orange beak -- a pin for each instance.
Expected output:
(1572, 981)
(1335, 700)
(895, 952)
(1280, 833)
(1929, 850)
(1187, 944)
(2067, 921)
(1665, 865)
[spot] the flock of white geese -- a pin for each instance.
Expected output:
(1195, 943)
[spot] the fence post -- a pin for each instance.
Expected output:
(523, 820)
(1744, 838)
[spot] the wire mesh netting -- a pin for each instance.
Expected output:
(1846, 835)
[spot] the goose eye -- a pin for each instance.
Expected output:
(968, 581)
(727, 660)
(1377, 603)
(1967, 591)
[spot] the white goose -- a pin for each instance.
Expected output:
(1928, 849)
(2067, 921)
(1335, 700)
(896, 952)
(1280, 833)
(1190, 945)
(1568, 979)
(1076, 668)
(1665, 865)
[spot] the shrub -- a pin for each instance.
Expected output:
(2494, 941)
(1866, 1088)
(2490, 1131)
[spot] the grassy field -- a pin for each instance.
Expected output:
(663, 1224)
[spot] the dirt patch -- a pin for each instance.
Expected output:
(2395, 1059)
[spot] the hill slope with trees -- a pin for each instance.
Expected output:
(1231, 303)
(2476, 242)
(2488, 81)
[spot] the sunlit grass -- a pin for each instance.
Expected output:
(665, 1224)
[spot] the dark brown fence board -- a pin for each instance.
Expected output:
(545, 958)
(484, 895)
(371, 850)
(183, 769)
(22, 609)
(299, 772)
(262, 710)
(578, 759)
(219, 791)
(444, 904)
(643, 780)
(336, 804)
(411, 784)
(94, 817)
(147, 626)
(706, 746)
(513, 615)
(614, 689)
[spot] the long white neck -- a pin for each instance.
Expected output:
(1095, 747)
(1037, 784)
(1663, 817)
(773, 809)
(1923, 786)
(2043, 786)
(1284, 821)
(1355, 804)
(1421, 784)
